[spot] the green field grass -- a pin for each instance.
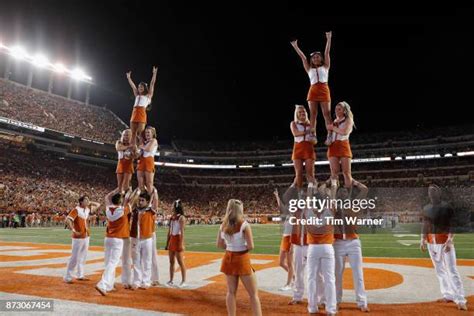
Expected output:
(401, 242)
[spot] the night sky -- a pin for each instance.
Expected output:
(228, 71)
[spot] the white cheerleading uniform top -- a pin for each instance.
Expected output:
(142, 101)
(82, 212)
(114, 213)
(236, 242)
(301, 128)
(150, 153)
(287, 228)
(337, 136)
(320, 74)
(175, 227)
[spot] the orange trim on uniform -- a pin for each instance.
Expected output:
(340, 149)
(138, 115)
(326, 236)
(285, 244)
(146, 164)
(437, 238)
(319, 92)
(349, 236)
(124, 166)
(119, 228)
(79, 224)
(303, 150)
(175, 243)
(236, 263)
(295, 239)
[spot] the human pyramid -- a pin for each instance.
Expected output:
(321, 252)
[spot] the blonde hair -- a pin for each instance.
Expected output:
(297, 108)
(234, 216)
(347, 111)
(153, 131)
(123, 133)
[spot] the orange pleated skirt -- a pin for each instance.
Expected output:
(303, 150)
(124, 166)
(340, 149)
(319, 92)
(285, 244)
(146, 164)
(175, 243)
(138, 115)
(236, 263)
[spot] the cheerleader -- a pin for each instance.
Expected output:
(286, 252)
(146, 164)
(124, 169)
(235, 236)
(339, 151)
(318, 72)
(347, 245)
(321, 260)
(175, 244)
(303, 148)
(438, 237)
(143, 95)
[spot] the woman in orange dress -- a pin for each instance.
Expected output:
(317, 68)
(303, 149)
(143, 95)
(176, 243)
(125, 161)
(339, 151)
(146, 164)
(235, 236)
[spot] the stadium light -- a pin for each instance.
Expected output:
(59, 67)
(39, 60)
(18, 52)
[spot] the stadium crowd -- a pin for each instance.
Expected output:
(54, 112)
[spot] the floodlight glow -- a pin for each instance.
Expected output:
(79, 74)
(58, 67)
(18, 52)
(40, 60)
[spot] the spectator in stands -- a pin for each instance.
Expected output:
(55, 112)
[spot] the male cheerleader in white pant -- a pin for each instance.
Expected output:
(76, 221)
(141, 233)
(118, 230)
(347, 245)
(155, 276)
(438, 235)
(321, 259)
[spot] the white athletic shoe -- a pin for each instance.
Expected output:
(462, 306)
(182, 285)
(285, 288)
(170, 284)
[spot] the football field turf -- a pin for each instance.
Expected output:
(402, 241)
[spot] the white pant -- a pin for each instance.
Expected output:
(449, 279)
(127, 262)
(78, 258)
(155, 277)
(351, 249)
(141, 256)
(113, 252)
(299, 259)
(321, 260)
